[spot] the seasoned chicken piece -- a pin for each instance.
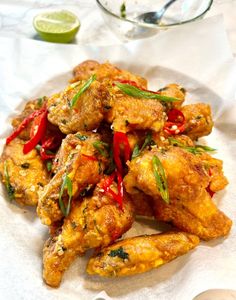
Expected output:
(191, 208)
(24, 175)
(198, 120)
(29, 108)
(176, 91)
(215, 169)
(128, 113)
(142, 204)
(81, 162)
(105, 72)
(86, 114)
(96, 221)
(140, 254)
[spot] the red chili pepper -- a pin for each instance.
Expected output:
(118, 139)
(90, 157)
(44, 155)
(37, 131)
(23, 125)
(208, 188)
(175, 123)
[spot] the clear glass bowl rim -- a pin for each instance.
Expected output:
(107, 11)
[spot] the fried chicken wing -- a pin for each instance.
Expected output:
(176, 91)
(105, 72)
(96, 221)
(23, 174)
(198, 120)
(191, 208)
(87, 113)
(78, 158)
(140, 254)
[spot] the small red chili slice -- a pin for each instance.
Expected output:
(211, 193)
(175, 123)
(38, 132)
(44, 155)
(118, 139)
(23, 125)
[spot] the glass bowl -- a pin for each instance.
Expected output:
(121, 16)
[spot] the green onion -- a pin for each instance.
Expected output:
(82, 90)
(198, 149)
(138, 93)
(160, 177)
(9, 187)
(81, 137)
(49, 166)
(148, 141)
(123, 10)
(67, 183)
(99, 146)
(119, 252)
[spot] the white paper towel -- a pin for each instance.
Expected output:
(196, 56)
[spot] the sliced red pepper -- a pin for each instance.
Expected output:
(38, 131)
(23, 125)
(118, 139)
(44, 155)
(175, 123)
(211, 193)
(126, 81)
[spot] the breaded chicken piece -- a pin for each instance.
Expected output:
(198, 120)
(105, 71)
(24, 175)
(87, 113)
(79, 159)
(142, 204)
(128, 113)
(140, 254)
(176, 91)
(191, 209)
(96, 221)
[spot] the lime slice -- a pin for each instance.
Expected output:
(57, 26)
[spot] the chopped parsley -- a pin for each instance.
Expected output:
(120, 253)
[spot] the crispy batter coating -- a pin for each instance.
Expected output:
(105, 71)
(191, 208)
(140, 254)
(27, 173)
(198, 120)
(128, 113)
(87, 113)
(75, 158)
(96, 221)
(142, 204)
(176, 91)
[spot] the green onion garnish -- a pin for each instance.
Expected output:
(67, 183)
(82, 90)
(198, 149)
(9, 187)
(148, 141)
(138, 93)
(81, 137)
(102, 148)
(160, 177)
(49, 166)
(123, 10)
(120, 253)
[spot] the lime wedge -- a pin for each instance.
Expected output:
(57, 26)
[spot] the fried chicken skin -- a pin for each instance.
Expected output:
(86, 114)
(198, 120)
(24, 175)
(140, 254)
(176, 91)
(78, 158)
(191, 208)
(96, 221)
(105, 71)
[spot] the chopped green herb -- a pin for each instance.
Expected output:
(160, 177)
(136, 152)
(123, 10)
(102, 148)
(38, 147)
(25, 165)
(82, 90)
(198, 149)
(138, 93)
(147, 142)
(9, 187)
(49, 166)
(81, 137)
(120, 253)
(40, 101)
(67, 183)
